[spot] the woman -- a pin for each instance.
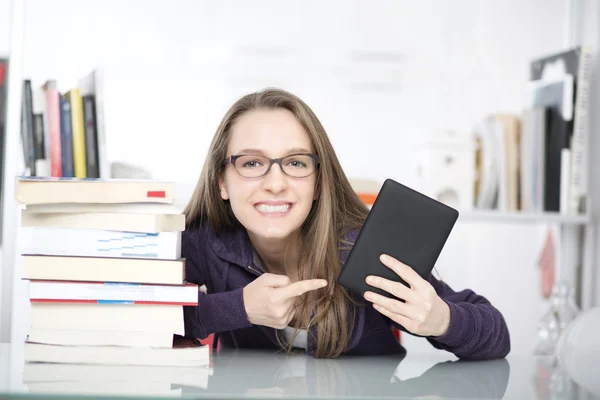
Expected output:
(268, 227)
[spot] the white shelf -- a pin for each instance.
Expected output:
(522, 217)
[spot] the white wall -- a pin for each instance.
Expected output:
(381, 75)
(4, 27)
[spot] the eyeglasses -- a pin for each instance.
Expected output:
(254, 166)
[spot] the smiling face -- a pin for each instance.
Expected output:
(274, 206)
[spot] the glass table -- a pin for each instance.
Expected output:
(255, 374)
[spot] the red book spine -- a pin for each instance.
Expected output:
(54, 131)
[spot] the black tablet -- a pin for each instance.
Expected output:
(405, 224)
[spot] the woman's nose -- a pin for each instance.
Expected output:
(275, 180)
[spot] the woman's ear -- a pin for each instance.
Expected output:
(223, 189)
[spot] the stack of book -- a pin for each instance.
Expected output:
(106, 278)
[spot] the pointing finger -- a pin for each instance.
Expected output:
(301, 287)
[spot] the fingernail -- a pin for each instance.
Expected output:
(384, 258)
(371, 280)
(323, 283)
(368, 295)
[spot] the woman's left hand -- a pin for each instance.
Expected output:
(423, 312)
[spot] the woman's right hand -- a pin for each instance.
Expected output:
(270, 299)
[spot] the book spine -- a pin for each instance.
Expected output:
(77, 128)
(580, 140)
(53, 101)
(40, 132)
(27, 138)
(91, 140)
(66, 138)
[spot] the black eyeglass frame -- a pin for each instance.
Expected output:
(231, 160)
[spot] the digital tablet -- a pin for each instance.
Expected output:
(404, 224)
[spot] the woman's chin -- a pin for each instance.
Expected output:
(272, 231)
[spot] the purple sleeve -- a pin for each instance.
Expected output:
(477, 329)
(215, 312)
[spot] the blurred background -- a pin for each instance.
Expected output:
(406, 90)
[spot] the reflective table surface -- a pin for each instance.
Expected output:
(253, 374)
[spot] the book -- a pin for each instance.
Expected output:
(28, 138)
(120, 208)
(103, 269)
(80, 337)
(117, 293)
(41, 132)
(105, 316)
(130, 222)
(66, 138)
(116, 355)
(52, 95)
(91, 139)
(512, 140)
(532, 159)
(100, 243)
(78, 133)
(45, 190)
(93, 84)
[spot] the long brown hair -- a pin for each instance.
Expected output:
(336, 210)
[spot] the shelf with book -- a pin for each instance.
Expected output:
(62, 129)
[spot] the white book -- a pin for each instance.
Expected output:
(49, 190)
(78, 337)
(108, 317)
(114, 292)
(116, 355)
(129, 222)
(93, 84)
(100, 243)
(131, 208)
(104, 269)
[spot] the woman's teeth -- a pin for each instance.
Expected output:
(272, 209)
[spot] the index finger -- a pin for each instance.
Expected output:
(402, 270)
(300, 287)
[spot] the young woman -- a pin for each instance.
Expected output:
(269, 226)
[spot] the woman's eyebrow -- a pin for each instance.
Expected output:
(251, 151)
(262, 153)
(297, 150)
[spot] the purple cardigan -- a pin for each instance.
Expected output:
(225, 262)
